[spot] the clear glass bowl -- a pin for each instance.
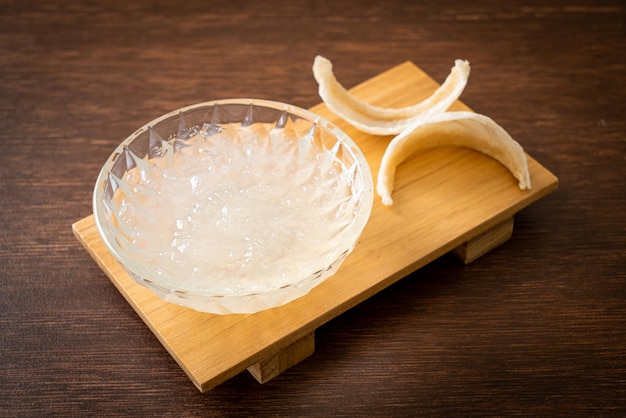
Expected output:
(233, 206)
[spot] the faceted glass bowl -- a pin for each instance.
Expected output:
(233, 206)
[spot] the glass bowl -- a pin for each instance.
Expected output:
(233, 206)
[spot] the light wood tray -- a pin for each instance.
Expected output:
(446, 199)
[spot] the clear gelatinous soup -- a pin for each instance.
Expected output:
(237, 211)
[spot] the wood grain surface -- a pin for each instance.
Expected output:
(537, 327)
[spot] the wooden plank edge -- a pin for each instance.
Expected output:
(270, 367)
(476, 247)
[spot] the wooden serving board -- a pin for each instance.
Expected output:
(446, 199)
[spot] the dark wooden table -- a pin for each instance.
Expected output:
(536, 327)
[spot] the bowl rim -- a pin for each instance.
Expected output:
(361, 217)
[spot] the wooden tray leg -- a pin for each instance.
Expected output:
(269, 368)
(485, 242)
